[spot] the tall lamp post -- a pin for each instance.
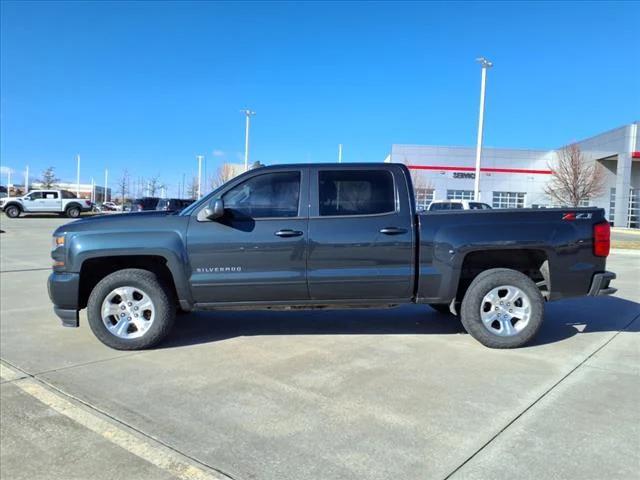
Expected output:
(78, 176)
(199, 157)
(248, 114)
(485, 64)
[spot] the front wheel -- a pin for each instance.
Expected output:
(502, 308)
(12, 211)
(130, 310)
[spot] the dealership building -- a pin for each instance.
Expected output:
(516, 178)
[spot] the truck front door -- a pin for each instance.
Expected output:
(361, 235)
(257, 251)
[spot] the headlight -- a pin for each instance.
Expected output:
(57, 242)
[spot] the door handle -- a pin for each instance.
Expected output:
(288, 233)
(393, 230)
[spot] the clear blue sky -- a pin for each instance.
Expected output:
(147, 86)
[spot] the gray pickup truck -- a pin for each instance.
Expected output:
(325, 236)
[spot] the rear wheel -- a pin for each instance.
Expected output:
(12, 211)
(73, 212)
(502, 308)
(130, 310)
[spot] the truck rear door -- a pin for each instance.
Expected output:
(361, 235)
(50, 202)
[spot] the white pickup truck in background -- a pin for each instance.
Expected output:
(62, 202)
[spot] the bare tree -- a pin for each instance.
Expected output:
(49, 179)
(155, 186)
(123, 184)
(224, 173)
(192, 188)
(574, 179)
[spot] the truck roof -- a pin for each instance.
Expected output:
(332, 165)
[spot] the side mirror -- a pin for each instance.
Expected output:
(215, 209)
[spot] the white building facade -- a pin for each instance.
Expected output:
(516, 178)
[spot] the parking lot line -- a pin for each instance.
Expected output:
(146, 449)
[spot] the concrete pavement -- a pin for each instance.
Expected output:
(327, 394)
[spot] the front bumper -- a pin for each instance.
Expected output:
(600, 284)
(64, 293)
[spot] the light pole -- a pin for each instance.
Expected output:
(199, 157)
(26, 181)
(476, 186)
(78, 177)
(106, 178)
(340, 153)
(248, 114)
(8, 182)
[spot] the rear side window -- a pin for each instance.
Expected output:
(355, 192)
(67, 194)
(478, 206)
(51, 195)
(456, 206)
(265, 196)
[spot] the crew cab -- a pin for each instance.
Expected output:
(325, 236)
(45, 201)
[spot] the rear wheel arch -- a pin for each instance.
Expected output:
(70, 206)
(532, 262)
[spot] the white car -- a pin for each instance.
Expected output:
(45, 201)
(438, 205)
(109, 207)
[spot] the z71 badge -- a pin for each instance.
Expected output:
(577, 216)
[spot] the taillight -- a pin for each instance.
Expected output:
(601, 239)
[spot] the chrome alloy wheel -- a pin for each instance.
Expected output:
(127, 312)
(505, 311)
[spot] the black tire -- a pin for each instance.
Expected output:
(12, 211)
(470, 313)
(165, 310)
(441, 308)
(72, 212)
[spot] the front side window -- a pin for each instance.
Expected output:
(34, 196)
(264, 196)
(355, 192)
(440, 206)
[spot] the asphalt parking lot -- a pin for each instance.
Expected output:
(378, 394)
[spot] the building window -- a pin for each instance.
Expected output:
(424, 197)
(633, 220)
(612, 205)
(508, 199)
(459, 194)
